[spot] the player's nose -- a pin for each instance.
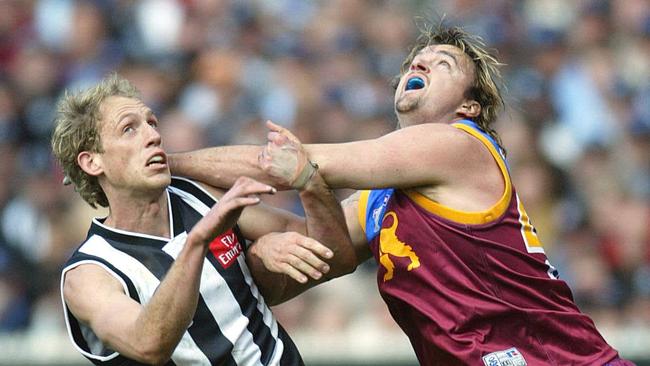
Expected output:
(153, 136)
(418, 65)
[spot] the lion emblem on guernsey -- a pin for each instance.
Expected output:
(390, 245)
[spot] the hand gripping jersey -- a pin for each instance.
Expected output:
(475, 288)
(232, 324)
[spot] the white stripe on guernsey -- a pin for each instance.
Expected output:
(523, 231)
(187, 352)
(65, 312)
(198, 186)
(225, 309)
(194, 202)
(267, 316)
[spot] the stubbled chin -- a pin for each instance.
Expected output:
(405, 104)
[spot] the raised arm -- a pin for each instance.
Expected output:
(420, 155)
(219, 166)
(149, 333)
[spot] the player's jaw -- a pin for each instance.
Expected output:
(410, 91)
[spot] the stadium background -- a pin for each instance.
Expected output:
(577, 132)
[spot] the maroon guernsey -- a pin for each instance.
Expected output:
(475, 288)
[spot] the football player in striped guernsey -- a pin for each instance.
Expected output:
(163, 278)
(460, 265)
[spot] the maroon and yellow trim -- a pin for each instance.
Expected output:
(363, 207)
(466, 217)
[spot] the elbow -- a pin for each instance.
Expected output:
(345, 264)
(341, 270)
(349, 268)
(272, 301)
(276, 293)
(154, 352)
(155, 356)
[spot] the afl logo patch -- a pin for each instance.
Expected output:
(509, 357)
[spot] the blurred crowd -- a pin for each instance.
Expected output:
(576, 129)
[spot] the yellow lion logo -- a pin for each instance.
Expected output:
(389, 244)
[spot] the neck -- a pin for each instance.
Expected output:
(412, 119)
(141, 215)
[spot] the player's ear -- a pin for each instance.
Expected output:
(469, 109)
(91, 163)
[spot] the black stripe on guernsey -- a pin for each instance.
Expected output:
(125, 237)
(248, 303)
(208, 337)
(191, 188)
(290, 355)
(75, 328)
(179, 226)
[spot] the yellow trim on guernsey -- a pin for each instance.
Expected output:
(465, 217)
(363, 206)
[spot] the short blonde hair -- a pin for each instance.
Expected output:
(486, 89)
(77, 129)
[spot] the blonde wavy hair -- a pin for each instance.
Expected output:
(486, 89)
(77, 129)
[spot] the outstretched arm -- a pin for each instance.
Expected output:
(422, 155)
(220, 166)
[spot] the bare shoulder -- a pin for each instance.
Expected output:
(89, 275)
(448, 135)
(439, 146)
(85, 285)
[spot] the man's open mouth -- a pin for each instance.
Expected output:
(414, 83)
(157, 160)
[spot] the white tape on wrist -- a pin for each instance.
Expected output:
(305, 175)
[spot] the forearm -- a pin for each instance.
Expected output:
(218, 166)
(341, 165)
(326, 224)
(163, 320)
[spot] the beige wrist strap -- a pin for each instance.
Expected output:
(305, 175)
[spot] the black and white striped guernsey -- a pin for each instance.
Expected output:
(232, 324)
